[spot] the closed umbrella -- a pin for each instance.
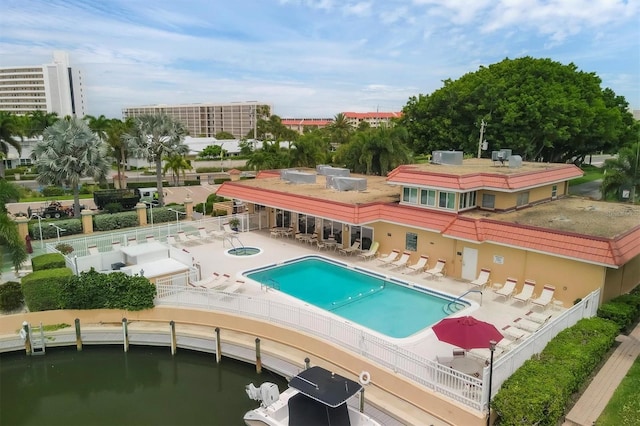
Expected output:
(466, 332)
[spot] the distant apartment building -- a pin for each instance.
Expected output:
(375, 119)
(54, 87)
(206, 120)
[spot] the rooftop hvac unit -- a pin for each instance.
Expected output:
(452, 158)
(294, 176)
(336, 171)
(320, 168)
(501, 156)
(341, 183)
(515, 161)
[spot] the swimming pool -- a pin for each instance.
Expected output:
(387, 306)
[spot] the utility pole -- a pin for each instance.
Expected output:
(482, 124)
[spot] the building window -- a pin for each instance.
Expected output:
(488, 201)
(428, 197)
(523, 199)
(410, 195)
(446, 200)
(411, 242)
(554, 191)
(467, 200)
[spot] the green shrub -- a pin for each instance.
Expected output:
(42, 289)
(64, 248)
(538, 392)
(191, 182)
(213, 198)
(113, 208)
(207, 169)
(108, 222)
(11, 297)
(116, 290)
(620, 313)
(218, 181)
(48, 261)
(70, 226)
(13, 172)
(52, 191)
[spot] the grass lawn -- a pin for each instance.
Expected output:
(624, 406)
(591, 173)
(56, 198)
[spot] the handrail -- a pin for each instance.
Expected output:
(456, 300)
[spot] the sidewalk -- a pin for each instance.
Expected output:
(593, 401)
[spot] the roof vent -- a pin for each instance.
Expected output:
(294, 176)
(341, 183)
(515, 161)
(452, 158)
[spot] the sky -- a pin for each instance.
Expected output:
(312, 58)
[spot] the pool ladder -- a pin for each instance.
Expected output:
(270, 283)
(456, 302)
(231, 238)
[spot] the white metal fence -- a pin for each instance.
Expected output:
(468, 390)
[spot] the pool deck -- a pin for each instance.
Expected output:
(212, 258)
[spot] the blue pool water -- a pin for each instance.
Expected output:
(364, 298)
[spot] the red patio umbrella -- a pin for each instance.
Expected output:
(466, 332)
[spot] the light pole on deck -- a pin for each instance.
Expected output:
(58, 229)
(492, 349)
(39, 227)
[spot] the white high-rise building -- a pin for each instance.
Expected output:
(54, 87)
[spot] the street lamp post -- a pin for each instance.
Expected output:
(492, 349)
(178, 213)
(221, 157)
(58, 229)
(39, 227)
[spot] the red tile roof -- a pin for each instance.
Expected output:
(373, 115)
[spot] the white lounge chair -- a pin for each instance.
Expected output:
(151, 238)
(507, 289)
(402, 261)
(93, 250)
(527, 292)
(228, 230)
(418, 266)
(371, 253)
(482, 280)
(350, 250)
(132, 241)
(203, 234)
(171, 240)
(527, 325)
(545, 298)
(437, 271)
(514, 333)
(388, 258)
(538, 317)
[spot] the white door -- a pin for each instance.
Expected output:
(469, 263)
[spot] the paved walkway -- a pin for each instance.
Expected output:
(593, 401)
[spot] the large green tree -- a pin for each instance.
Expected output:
(309, 150)
(35, 122)
(10, 136)
(154, 137)
(69, 151)
(541, 109)
(271, 156)
(118, 145)
(340, 129)
(623, 173)
(375, 151)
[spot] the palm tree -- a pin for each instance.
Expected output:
(623, 172)
(156, 136)
(176, 163)
(99, 125)
(37, 121)
(308, 151)
(376, 151)
(9, 236)
(118, 145)
(68, 151)
(340, 129)
(9, 129)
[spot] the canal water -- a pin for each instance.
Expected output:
(103, 385)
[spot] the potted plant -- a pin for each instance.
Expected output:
(234, 222)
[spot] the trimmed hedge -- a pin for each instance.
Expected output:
(538, 392)
(109, 222)
(48, 261)
(11, 297)
(71, 227)
(93, 290)
(624, 310)
(42, 289)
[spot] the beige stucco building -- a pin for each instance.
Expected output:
(518, 221)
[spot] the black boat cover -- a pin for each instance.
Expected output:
(324, 386)
(304, 411)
